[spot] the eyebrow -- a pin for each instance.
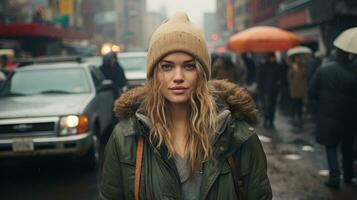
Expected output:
(187, 61)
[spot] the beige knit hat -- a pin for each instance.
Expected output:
(178, 34)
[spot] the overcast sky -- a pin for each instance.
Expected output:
(194, 8)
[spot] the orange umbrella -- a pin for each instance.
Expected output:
(262, 39)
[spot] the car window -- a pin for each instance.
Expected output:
(97, 76)
(133, 63)
(47, 81)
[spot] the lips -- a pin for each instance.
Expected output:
(178, 89)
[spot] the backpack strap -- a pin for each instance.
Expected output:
(138, 162)
(238, 181)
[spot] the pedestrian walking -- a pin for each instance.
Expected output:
(250, 68)
(334, 86)
(241, 70)
(113, 71)
(268, 79)
(224, 68)
(181, 136)
(284, 89)
(313, 64)
(298, 87)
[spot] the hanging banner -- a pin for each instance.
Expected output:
(66, 7)
(229, 14)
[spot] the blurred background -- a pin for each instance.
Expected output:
(55, 27)
(47, 122)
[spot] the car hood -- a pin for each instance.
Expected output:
(42, 105)
(135, 75)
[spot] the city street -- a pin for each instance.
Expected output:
(46, 178)
(67, 69)
(294, 160)
(297, 165)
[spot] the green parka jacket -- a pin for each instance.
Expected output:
(159, 176)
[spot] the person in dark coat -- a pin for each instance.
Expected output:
(268, 80)
(251, 69)
(113, 71)
(285, 100)
(313, 64)
(224, 68)
(334, 86)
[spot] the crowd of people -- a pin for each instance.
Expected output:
(183, 128)
(306, 84)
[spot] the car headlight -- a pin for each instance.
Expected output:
(73, 124)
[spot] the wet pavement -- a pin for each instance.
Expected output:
(297, 165)
(295, 162)
(46, 178)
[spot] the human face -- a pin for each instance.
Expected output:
(177, 75)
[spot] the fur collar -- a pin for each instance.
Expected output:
(236, 98)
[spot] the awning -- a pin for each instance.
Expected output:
(39, 30)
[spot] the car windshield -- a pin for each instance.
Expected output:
(46, 81)
(133, 63)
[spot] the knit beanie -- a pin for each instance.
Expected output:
(178, 34)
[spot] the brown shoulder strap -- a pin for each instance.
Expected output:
(238, 182)
(138, 162)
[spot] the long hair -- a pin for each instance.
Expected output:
(201, 123)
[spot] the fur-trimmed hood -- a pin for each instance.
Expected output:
(236, 98)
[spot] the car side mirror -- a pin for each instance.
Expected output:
(106, 85)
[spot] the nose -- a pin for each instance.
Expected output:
(178, 76)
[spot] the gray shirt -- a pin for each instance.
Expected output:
(190, 187)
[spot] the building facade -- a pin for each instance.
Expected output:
(318, 22)
(242, 14)
(121, 22)
(39, 28)
(212, 35)
(54, 27)
(153, 21)
(225, 21)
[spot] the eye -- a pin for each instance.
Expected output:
(166, 66)
(190, 66)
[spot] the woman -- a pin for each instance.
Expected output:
(298, 87)
(190, 129)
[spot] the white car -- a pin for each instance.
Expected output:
(134, 65)
(55, 108)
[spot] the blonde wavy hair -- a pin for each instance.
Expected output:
(202, 120)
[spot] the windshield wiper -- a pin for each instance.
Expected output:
(55, 92)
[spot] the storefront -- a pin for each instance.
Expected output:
(39, 39)
(319, 21)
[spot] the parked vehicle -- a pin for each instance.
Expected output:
(55, 108)
(134, 65)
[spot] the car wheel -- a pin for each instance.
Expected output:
(92, 157)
